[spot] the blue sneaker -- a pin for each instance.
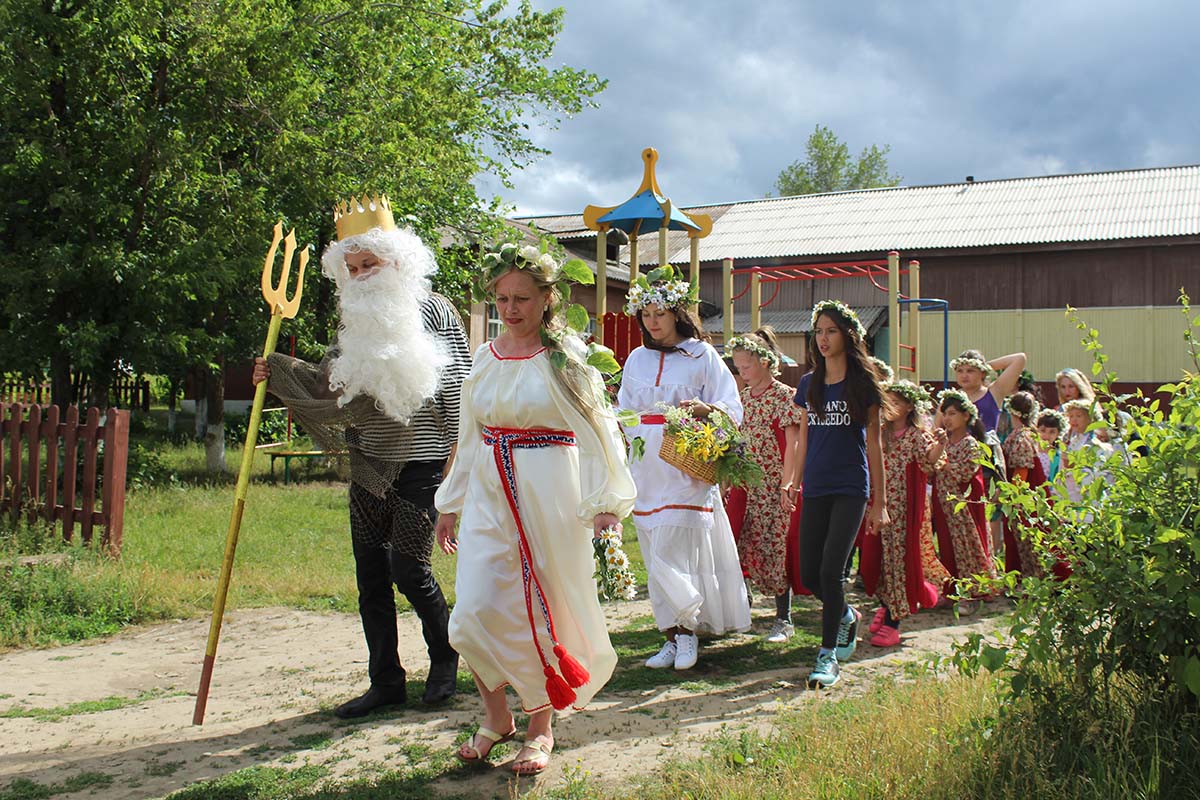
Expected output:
(847, 641)
(826, 673)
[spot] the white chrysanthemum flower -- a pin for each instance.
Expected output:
(530, 253)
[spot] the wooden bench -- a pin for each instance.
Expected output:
(288, 455)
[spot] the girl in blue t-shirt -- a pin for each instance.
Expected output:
(839, 456)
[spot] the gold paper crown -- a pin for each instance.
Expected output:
(359, 215)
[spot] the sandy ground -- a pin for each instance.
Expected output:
(279, 671)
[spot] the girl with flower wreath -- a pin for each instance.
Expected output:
(838, 458)
(766, 521)
(962, 534)
(540, 469)
(1072, 385)
(693, 575)
(899, 566)
(1052, 427)
(1021, 452)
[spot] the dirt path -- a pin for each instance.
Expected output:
(280, 671)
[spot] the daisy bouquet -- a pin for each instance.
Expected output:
(614, 579)
(711, 448)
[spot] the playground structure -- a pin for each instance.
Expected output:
(650, 210)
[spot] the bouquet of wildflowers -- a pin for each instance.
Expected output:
(714, 440)
(614, 579)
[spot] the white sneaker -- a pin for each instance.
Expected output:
(664, 658)
(781, 631)
(688, 646)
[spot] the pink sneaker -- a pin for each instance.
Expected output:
(877, 622)
(886, 637)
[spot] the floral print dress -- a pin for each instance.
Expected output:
(763, 532)
(963, 538)
(1021, 453)
(900, 566)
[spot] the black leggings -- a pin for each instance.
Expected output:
(828, 526)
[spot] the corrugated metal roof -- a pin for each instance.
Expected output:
(1102, 206)
(798, 320)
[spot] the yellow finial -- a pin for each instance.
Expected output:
(357, 216)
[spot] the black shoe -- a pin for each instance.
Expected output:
(375, 697)
(442, 683)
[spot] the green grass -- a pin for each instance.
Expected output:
(25, 789)
(111, 703)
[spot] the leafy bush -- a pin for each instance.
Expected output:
(1130, 612)
(272, 429)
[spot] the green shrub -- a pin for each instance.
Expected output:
(272, 429)
(1132, 605)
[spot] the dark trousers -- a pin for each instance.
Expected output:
(377, 569)
(828, 527)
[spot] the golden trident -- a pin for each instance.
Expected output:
(281, 308)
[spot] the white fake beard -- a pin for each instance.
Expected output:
(386, 353)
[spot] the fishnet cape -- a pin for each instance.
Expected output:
(378, 446)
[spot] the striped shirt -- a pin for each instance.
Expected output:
(435, 426)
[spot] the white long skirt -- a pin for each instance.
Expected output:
(694, 576)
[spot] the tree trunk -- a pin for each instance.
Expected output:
(214, 434)
(200, 377)
(60, 380)
(172, 414)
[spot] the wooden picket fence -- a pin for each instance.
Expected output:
(621, 334)
(41, 480)
(130, 392)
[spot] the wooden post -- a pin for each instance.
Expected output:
(90, 436)
(50, 437)
(755, 302)
(601, 276)
(14, 457)
(633, 257)
(694, 268)
(116, 454)
(70, 470)
(33, 438)
(914, 317)
(894, 311)
(662, 243)
(727, 298)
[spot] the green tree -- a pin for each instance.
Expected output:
(147, 147)
(828, 167)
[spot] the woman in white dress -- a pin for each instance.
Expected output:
(694, 577)
(539, 469)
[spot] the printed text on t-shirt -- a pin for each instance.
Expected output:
(837, 412)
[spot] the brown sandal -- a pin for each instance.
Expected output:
(539, 762)
(489, 735)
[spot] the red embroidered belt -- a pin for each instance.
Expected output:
(559, 688)
(653, 419)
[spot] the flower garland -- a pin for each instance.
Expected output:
(755, 347)
(974, 363)
(1007, 406)
(841, 308)
(614, 578)
(1053, 418)
(664, 287)
(960, 397)
(914, 394)
(1089, 406)
(884, 369)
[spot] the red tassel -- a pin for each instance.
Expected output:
(574, 672)
(559, 693)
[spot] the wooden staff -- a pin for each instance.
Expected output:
(281, 308)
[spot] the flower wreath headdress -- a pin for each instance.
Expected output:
(976, 363)
(756, 348)
(575, 318)
(841, 308)
(917, 395)
(961, 398)
(884, 369)
(1063, 425)
(1007, 406)
(665, 287)
(1090, 406)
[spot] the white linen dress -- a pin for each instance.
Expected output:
(559, 490)
(695, 578)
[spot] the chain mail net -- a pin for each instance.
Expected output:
(378, 446)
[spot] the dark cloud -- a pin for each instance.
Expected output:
(729, 92)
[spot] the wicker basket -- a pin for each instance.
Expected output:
(698, 469)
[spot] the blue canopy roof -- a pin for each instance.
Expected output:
(643, 213)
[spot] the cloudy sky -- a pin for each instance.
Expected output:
(729, 91)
